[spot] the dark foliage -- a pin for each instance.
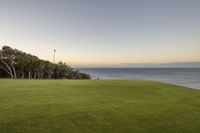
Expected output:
(17, 64)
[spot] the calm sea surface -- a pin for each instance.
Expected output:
(189, 77)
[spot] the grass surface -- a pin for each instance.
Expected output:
(103, 106)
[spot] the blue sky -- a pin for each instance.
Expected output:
(103, 32)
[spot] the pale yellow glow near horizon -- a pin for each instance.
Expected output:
(110, 62)
(182, 52)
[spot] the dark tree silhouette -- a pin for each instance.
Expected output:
(18, 64)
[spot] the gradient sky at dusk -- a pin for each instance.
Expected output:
(103, 32)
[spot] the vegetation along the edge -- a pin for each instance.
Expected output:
(18, 64)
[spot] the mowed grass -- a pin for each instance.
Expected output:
(97, 106)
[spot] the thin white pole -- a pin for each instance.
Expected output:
(54, 54)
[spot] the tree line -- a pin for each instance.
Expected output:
(18, 64)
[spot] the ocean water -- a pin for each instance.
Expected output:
(189, 77)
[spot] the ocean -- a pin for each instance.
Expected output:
(188, 77)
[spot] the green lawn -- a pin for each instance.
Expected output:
(100, 106)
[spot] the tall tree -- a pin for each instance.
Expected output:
(7, 59)
(49, 69)
(21, 63)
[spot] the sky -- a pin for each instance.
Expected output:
(103, 32)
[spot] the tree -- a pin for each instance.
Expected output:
(40, 69)
(49, 69)
(7, 58)
(21, 63)
(61, 70)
